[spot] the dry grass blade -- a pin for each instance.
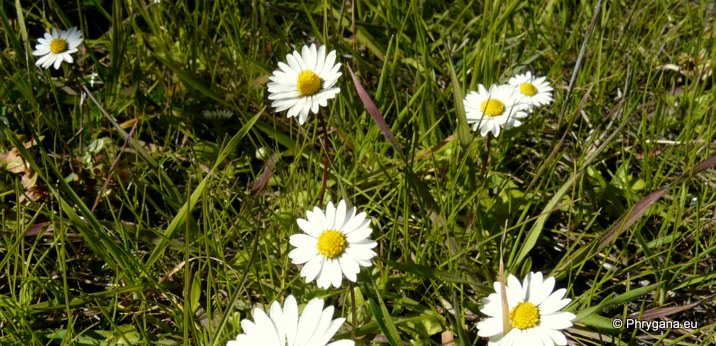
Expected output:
(506, 325)
(632, 215)
(266, 174)
(375, 113)
(638, 210)
(664, 311)
(705, 164)
(628, 219)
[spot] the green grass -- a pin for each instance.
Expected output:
(142, 226)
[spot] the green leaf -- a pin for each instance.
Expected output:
(195, 293)
(381, 314)
(598, 322)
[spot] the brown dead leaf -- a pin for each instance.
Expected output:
(448, 339)
(12, 161)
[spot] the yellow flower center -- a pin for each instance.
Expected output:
(492, 107)
(58, 45)
(524, 316)
(528, 89)
(331, 243)
(308, 83)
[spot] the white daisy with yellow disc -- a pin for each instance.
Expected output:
(315, 326)
(335, 244)
(494, 109)
(535, 313)
(305, 82)
(57, 47)
(533, 91)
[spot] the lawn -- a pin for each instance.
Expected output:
(160, 184)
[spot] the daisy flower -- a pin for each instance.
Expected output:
(534, 91)
(535, 316)
(493, 109)
(336, 243)
(57, 47)
(284, 327)
(305, 83)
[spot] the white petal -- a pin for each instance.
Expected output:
(282, 105)
(327, 94)
(307, 323)
(314, 106)
(299, 59)
(266, 328)
(554, 302)
(296, 109)
(489, 327)
(354, 223)
(320, 326)
(293, 63)
(41, 50)
(359, 234)
(336, 272)
(301, 255)
(557, 337)
(276, 315)
(312, 268)
(311, 228)
(330, 274)
(328, 64)
(515, 293)
(342, 343)
(349, 267)
(331, 330)
(340, 215)
(310, 58)
(290, 316)
(319, 218)
(282, 95)
(303, 240)
(560, 320)
(539, 290)
(58, 62)
(302, 118)
(42, 61)
(286, 69)
(359, 253)
(492, 304)
(330, 216)
(320, 59)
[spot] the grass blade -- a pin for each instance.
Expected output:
(375, 113)
(189, 205)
